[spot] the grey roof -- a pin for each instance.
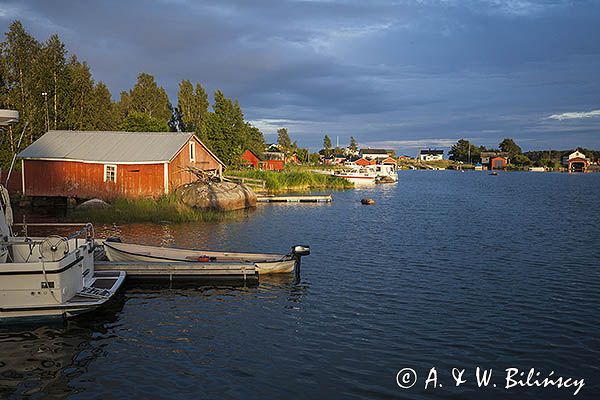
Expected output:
(431, 152)
(374, 151)
(124, 147)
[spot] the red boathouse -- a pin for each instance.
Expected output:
(107, 165)
(249, 158)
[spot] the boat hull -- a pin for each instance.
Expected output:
(264, 263)
(77, 305)
(359, 180)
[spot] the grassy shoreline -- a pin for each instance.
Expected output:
(163, 209)
(169, 209)
(296, 179)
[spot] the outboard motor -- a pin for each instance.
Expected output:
(300, 251)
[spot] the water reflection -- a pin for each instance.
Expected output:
(56, 360)
(38, 359)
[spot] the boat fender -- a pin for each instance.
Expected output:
(114, 239)
(203, 259)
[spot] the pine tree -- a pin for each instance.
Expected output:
(353, 145)
(283, 139)
(509, 146)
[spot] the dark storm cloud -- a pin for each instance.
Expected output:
(403, 73)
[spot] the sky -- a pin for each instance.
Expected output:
(403, 74)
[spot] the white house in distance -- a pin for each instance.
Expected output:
(431, 155)
(375, 154)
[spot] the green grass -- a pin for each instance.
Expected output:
(164, 209)
(294, 179)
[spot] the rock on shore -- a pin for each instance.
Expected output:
(220, 196)
(93, 204)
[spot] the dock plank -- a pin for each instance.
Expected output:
(170, 269)
(295, 199)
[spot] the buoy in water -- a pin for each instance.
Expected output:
(367, 201)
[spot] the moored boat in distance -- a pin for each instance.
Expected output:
(117, 251)
(368, 174)
(358, 175)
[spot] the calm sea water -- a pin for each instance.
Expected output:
(447, 270)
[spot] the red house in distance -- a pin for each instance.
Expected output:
(250, 158)
(273, 161)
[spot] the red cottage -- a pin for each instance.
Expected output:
(249, 158)
(107, 165)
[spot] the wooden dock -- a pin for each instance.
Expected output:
(295, 199)
(182, 271)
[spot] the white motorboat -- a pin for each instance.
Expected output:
(376, 173)
(358, 175)
(52, 276)
(265, 263)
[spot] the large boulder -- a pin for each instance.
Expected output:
(221, 196)
(93, 204)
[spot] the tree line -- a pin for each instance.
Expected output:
(53, 89)
(465, 151)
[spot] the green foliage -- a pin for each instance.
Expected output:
(103, 115)
(303, 155)
(464, 151)
(294, 179)
(21, 89)
(314, 158)
(353, 145)
(283, 139)
(521, 160)
(148, 98)
(140, 122)
(80, 112)
(192, 105)
(327, 143)
(227, 134)
(509, 146)
(326, 151)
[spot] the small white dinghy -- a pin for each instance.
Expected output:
(265, 263)
(49, 277)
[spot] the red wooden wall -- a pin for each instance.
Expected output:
(86, 180)
(249, 158)
(177, 174)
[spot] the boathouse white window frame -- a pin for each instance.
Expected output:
(192, 152)
(112, 169)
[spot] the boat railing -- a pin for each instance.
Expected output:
(86, 231)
